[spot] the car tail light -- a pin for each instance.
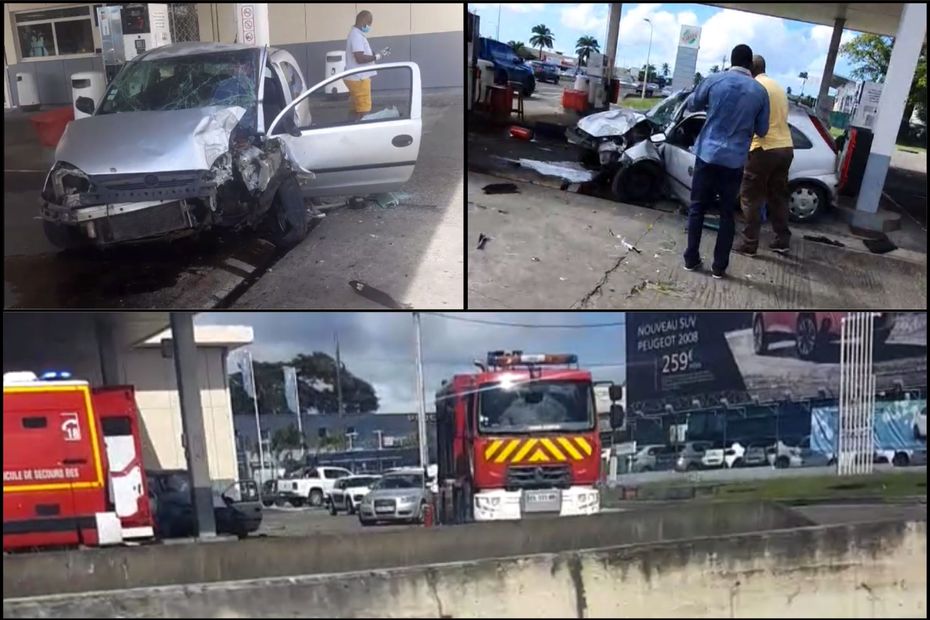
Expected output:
(824, 133)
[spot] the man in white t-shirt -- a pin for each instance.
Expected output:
(358, 54)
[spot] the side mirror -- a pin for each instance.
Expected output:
(615, 392)
(657, 138)
(616, 416)
(85, 105)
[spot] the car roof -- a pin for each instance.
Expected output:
(192, 48)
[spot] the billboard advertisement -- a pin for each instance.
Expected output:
(689, 41)
(675, 358)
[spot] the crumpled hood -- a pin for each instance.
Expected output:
(611, 123)
(141, 142)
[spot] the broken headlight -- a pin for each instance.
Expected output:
(63, 181)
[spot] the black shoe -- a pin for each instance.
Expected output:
(693, 266)
(717, 273)
(781, 247)
(745, 249)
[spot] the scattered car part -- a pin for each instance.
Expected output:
(824, 239)
(377, 296)
(482, 240)
(500, 188)
(523, 133)
(881, 245)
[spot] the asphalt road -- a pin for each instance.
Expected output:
(412, 252)
(288, 521)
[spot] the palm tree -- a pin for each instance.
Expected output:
(715, 69)
(585, 46)
(516, 46)
(542, 37)
(665, 69)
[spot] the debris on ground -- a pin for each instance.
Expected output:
(880, 245)
(824, 239)
(357, 202)
(503, 212)
(500, 188)
(379, 297)
(570, 171)
(482, 240)
(388, 200)
(522, 133)
(535, 259)
(666, 288)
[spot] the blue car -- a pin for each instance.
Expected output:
(546, 72)
(508, 67)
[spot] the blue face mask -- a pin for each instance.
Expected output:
(365, 28)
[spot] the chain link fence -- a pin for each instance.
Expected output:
(182, 20)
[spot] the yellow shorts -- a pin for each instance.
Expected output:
(360, 95)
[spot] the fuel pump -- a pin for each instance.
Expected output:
(127, 30)
(599, 72)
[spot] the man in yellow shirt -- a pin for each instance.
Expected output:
(765, 176)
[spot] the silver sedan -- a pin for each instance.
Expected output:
(400, 496)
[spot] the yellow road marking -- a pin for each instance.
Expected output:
(506, 451)
(565, 443)
(553, 449)
(526, 448)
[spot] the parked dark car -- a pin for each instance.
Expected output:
(237, 510)
(546, 72)
(508, 67)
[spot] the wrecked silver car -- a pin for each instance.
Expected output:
(194, 136)
(618, 143)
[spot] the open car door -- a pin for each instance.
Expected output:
(351, 153)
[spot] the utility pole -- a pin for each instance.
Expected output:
(498, 37)
(258, 424)
(648, 54)
(421, 398)
(338, 378)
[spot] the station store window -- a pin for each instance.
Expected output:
(55, 32)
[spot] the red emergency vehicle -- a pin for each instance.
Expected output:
(520, 437)
(72, 464)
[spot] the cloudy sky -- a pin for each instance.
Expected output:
(380, 347)
(789, 47)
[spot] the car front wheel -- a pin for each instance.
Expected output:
(806, 201)
(760, 343)
(288, 221)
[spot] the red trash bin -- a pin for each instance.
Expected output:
(51, 125)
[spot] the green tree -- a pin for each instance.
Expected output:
(871, 54)
(697, 78)
(665, 69)
(642, 73)
(516, 46)
(542, 37)
(788, 90)
(715, 69)
(586, 46)
(284, 439)
(316, 387)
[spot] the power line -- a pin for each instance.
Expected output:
(529, 325)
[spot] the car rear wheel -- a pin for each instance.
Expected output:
(350, 509)
(807, 338)
(760, 342)
(782, 462)
(900, 459)
(806, 201)
(296, 502)
(315, 498)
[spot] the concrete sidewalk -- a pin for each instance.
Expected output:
(554, 249)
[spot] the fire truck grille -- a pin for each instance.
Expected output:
(539, 476)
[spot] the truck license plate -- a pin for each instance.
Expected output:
(542, 501)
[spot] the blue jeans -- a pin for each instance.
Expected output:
(712, 185)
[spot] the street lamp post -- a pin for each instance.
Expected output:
(648, 54)
(499, 21)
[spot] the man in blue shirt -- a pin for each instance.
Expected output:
(737, 107)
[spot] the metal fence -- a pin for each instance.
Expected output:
(857, 395)
(182, 20)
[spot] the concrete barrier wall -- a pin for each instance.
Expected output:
(860, 570)
(157, 565)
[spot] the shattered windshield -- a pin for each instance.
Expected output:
(540, 405)
(185, 82)
(662, 113)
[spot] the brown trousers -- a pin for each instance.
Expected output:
(765, 180)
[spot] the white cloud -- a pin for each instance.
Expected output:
(527, 7)
(634, 35)
(587, 17)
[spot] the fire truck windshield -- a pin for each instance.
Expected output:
(539, 405)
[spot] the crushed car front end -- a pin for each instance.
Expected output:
(159, 159)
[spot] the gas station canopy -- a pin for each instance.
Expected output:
(872, 17)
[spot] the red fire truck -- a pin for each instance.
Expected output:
(72, 464)
(520, 437)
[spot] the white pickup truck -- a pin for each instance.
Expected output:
(310, 484)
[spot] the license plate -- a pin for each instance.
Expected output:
(542, 501)
(384, 509)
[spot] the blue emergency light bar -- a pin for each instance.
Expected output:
(55, 375)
